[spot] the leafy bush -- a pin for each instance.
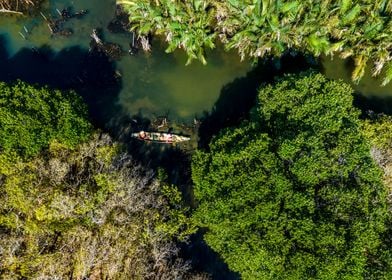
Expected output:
(294, 192)
(32, 117)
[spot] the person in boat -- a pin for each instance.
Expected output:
(143, 135)
(166, 137)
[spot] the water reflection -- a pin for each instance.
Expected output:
(152, 84)
(162, 83)
(238, 97)
(370, 95)
(91, 75)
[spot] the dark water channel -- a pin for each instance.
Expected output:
(125, 94)
(134, 91)
(369, 94)
(149, 84)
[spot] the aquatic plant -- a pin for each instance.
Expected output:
(184, 24)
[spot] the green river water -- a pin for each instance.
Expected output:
(369, 92)
(153, 83)
(156, 83)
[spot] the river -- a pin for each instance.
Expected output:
(152, 84)
(370, 95)
(148, 85)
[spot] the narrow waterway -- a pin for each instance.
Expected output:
(131, 91)
(152, 84)
(148, 85)
(370, 95)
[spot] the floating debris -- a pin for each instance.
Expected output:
(45, 18)
(113, 51)
(23, 36)
(56, 25)
(95, 37)
(121, 24)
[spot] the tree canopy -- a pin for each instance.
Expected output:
(357, 29)
(74, 204)
(293, 193)
(88, 212)
(32, 117)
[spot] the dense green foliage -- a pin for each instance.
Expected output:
(378, 130)
(294, 192)
(358, 29)
(32, 117)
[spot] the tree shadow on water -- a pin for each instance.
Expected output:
(238, 97)
(369, 104)
(92, 75)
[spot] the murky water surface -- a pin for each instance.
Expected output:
(370, 95)
(156, 83)
(151, 84)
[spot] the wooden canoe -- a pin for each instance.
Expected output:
(160, 137)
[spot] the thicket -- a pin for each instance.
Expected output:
(258, 28)
(32, 117)
(88, 212)
(75, 205)
(294, 193)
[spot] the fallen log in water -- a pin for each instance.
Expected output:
(10, 11)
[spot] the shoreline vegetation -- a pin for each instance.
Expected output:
(298, 187)
(74, 203)
(358, 30)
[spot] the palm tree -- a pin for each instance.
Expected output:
(255, 28)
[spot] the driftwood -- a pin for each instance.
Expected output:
(56, 25)
(112, 50)
(97, 40)
(10, 11)
(19, 7)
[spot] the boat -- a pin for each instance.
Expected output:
(159, 137)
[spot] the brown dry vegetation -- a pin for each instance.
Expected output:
(378, 131)
(18, 6)
(88, 213)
